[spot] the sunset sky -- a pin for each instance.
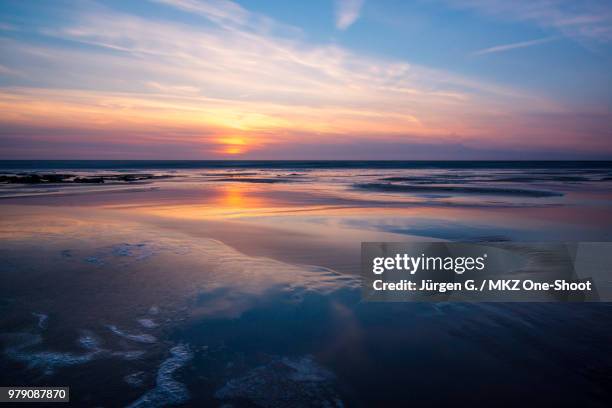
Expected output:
(188, 79)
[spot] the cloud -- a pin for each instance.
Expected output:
(513, 46)
(119, 79)
(235, 78)
(584, 21)
(220, 11)
(230, 15)
(347, 12)
(7, 71)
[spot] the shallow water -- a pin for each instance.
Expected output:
(239, 285)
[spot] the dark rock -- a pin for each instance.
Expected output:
(94, 180)
(56, 178)
(22, 179)
(32, 178)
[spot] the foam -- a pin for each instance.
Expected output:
(284, 381)
(135, 379)
(127, 253)
(167, 390)
(94, 260)
(138, 251)
(89, 341)
(129, 355)
(139, 338)
(42, 319)
(306, 369)
(47, 361)
(147, 323)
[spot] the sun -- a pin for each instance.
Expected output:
(233, 150)
(233, 145)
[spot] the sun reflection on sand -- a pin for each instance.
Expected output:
(233, 197)
(237, 197)
(230, 200)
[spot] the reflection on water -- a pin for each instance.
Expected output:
(120, 275)
(235, 198)
(239, 287)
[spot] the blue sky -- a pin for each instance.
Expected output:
(448, 36)
(326, 79)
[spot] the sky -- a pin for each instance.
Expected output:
(320, 79)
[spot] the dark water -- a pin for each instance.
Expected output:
(298, 164)
(124, 291)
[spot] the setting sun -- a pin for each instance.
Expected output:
(233, 145)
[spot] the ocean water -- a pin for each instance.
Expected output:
(294, 164)
(158, 283)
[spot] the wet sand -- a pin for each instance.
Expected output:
(182, 291)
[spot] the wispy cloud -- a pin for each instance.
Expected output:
(221, 11)
(586, 20)
(347, 12)
(193, 85)
(513, 46)
(7, 71)
(234, 79)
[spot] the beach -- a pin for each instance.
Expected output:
(238, 283)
